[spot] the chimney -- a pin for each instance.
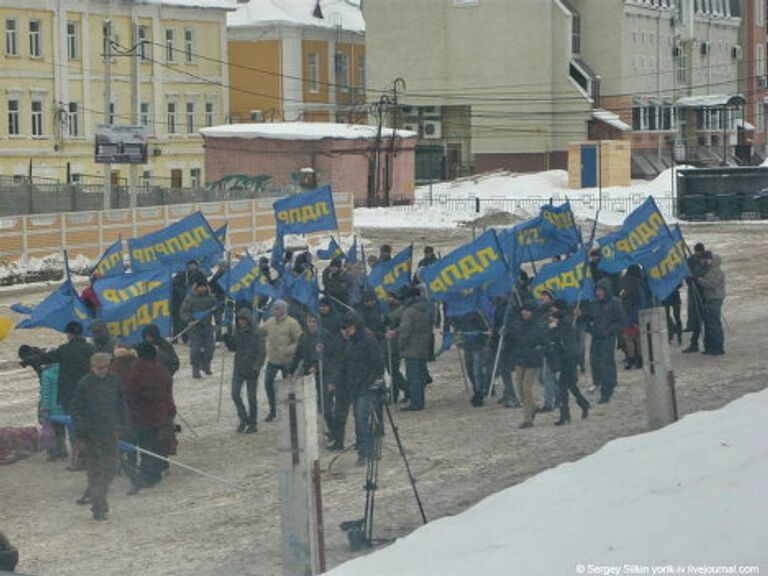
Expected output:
(318, 12)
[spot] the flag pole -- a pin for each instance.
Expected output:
(224, 352)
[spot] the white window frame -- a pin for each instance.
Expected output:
(189, 45)
(195, 177)
(170, 45)
(170, 121)
(145, 114)
(759, 60)
(314, 72)
(759, 7)
(35, 40)
(38, 120)
(14, 117)
(73, 119)
(210, 114)
(145, 47)
(189, 117)
(12, 37)
(73, 40)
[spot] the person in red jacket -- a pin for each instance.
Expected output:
(90, 298)
(149, 398)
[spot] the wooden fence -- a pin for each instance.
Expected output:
(90, 233)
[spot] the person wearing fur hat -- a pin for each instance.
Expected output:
(149, 397)
(249, 346)
(283, 334)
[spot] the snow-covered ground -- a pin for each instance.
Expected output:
(685, 496)
(447, 211)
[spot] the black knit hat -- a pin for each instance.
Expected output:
(146, 351)
(74, 328)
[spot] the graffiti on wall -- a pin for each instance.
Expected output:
(240, 183)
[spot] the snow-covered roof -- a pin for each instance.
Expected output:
(711, 101)
(611, 119)
(744, 124)
(229, 5)
(301, 131)
(344, 13)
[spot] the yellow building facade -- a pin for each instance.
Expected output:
(297, 64)
(53, 76)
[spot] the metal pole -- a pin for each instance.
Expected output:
(463, 369)
(187, 424)
(133, 173)
(107, 103)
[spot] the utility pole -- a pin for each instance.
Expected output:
(133, 174)
(107, 106)
(398, 84)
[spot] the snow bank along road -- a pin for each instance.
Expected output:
(459, 454)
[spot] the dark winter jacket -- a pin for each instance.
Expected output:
(121, 364)
(149, 394)
(98, 409)
(562, 344)
(414, 336)
(250, 347)
(634, 295)
(167, 355)
(530, 340)
(74, 360)
(472, 331)
(196, 303)
(373, 320)
(182, 283)
(103, 341)
(606, 318)
(712, 281)
(362, 363)
(335, 284)
(392, 321)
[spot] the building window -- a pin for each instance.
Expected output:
(142, 36)
(171, 121)
(34, 39)
(576, 34)
(361, 70)
(112, 108)
(37, 118)
(13, 118)
(759, 12)
(314, 72)
(342, 71)
(681, 67)
(144, 118)
(170, 55)
(759, 117)
(106, 40)
(209, 114)
(194, 177)
(73, 119)
(190, 117)
(73, 44)
(11, 40)
(189, 45)
(759, 60)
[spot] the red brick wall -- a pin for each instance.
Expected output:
(343, 164)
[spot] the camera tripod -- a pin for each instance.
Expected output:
(360, 532)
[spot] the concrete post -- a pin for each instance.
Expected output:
(660, 399)
(298, 453)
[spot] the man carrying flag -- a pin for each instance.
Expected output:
(198, 308)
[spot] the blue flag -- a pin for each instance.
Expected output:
(446, 344)
(352, 253)
(391, 275)
(467, 302)
(333, 251)
(667, 266)
(131, 302)
(535, 239)
(643, 230)
(301, 288)
(246, 280)
(479, 262)
(188, 239)
(111, 262)
(22, 309)
(58, 309)
(277, 259)
(563, 223)
(569, 279)
(306, 212)
(209, 262)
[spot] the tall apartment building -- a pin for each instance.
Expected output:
(297, 61)
(497, 84)
(52, 84)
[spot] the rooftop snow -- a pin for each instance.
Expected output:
(711, 101)
(229, 5)
(611, 119)
(344, 13)
(685, 495)
(300, 131)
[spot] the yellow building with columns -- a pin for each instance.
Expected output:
(53, 78)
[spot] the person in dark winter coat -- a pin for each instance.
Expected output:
(182, 285)
(712, 285)
(605, 323)
(371, 314)
(392, 356)
(502, 324)
(335, 283)
(165, 351)
(99, 413)
(634, 297)
(473, 337)
(547, 377)
(562, 353)
(362, 367)
(149, 397)
(250, 347)
(74, 360)
(429, 258)
(222, 316)
(528, 357)
(327, 316)
(695, 300)
(414, 342)
(199, 307)
(102, 340)
(672, 305)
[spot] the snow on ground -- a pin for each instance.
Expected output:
(683, 496)
(452, 203)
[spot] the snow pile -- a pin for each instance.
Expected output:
(301, 131)
(344, 13)
(688, 495)
(452, 203)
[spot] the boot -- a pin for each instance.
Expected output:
(638, 361)
(565, 416)
(694, 347)
(585, 411)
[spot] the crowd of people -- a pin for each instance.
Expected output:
(350, 344)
